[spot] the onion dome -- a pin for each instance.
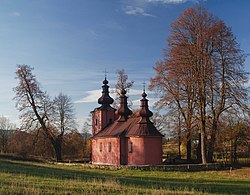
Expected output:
(123, 111)
(105, 99)
(144, 113)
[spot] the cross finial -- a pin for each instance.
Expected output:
(144, 83)
(105, 73)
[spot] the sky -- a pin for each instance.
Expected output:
(71, 43)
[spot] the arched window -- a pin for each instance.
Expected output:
(130, 147)
(100, 147)
(109, 147)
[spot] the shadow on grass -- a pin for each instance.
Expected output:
(202, 185)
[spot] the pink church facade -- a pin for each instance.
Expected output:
(119, 139)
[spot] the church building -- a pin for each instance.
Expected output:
(121, 139)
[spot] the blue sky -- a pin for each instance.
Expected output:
(70, 43)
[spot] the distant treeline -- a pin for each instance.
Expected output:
(25, 144)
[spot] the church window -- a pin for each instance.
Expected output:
(100, 147)
(109, 146)
(110, 120)
(130, 147)
(95, 121)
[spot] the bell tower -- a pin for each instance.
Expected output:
(105, 114)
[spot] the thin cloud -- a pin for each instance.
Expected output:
(15, 14)
(247, 85)
(141, 7)
(134, 92)
(151, 102)
(111, 24)
(168, 1)
(137, 92)
(92, 96)
(130, 10)
(92, 33)
(130, 92)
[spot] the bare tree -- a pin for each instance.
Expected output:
(177, 90)
(202, 73)
(122, 83)
(161, 122)
(227, 80)
(53, 118)
(6, 129)
(87, 126)
(234, 136)
(62, 119)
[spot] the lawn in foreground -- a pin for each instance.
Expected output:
(17, 177)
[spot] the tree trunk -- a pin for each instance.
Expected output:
(235, 151)
(189, 148)
(203, 130)
(179, 134)
(189, 141)
(203, 145)
(198, 152)
(210, 152)
(57, 145)
(4, 144)
(211, 143)
(179, 147)
(202, 109)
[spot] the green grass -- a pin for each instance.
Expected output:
(17, 177)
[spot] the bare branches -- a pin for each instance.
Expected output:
(54, 118)
(63, 114)
(202, 72)
(122, 83)
(28, 94)
(6, 129)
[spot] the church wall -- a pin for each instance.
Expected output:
(101, 118)
(145, 151)
(108, 117)
(96, 122)
(124, 151)
(137, 155)
(153, 150)
(106, 151)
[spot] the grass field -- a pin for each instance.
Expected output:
(18, 177)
